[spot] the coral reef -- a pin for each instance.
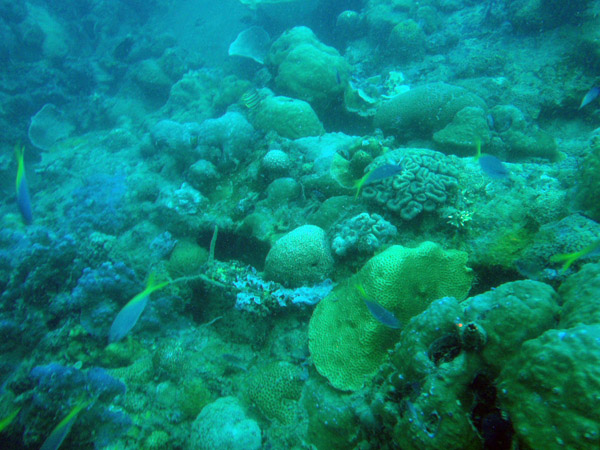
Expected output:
(427, 182)
(400, 279)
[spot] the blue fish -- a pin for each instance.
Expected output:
(590, 96)
(490, 165)
(23, 197)
(382, 315)
(377, 174)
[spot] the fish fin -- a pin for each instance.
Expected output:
(567, 258)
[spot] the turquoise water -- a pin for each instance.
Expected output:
(285, 224)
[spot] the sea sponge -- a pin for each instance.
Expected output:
(428, 180)
(346, 342)
(300, 257)
(275, 389)
(424, 110)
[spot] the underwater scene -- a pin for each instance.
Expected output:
(300, 224)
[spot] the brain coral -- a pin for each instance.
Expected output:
(302, 256)
(424, 110)
(346, 342)
(275, 390)
(427, 181)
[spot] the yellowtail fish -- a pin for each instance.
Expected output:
(377, 174)
(58, 435)
(23, 198)
(251, 99)
(131, 312)
(569, 258)
(382, 315)
(8, 419)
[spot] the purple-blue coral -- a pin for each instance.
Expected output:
(101, 292)
(57, 387)
(99, 205)
(56, 381)
(102, 385)
(42, 265)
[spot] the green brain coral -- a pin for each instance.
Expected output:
(275, 389)
(346, 342)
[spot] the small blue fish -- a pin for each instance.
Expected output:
(382, 315)
(490, 165)
(590, 96)
(23, 197)
(377, 174)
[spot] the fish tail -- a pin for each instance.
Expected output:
(567, 258)
(358, 184)
(477, 149)
(23, 197)
(19, 155)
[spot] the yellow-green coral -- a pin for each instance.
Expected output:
(346, 342)
(275, 390)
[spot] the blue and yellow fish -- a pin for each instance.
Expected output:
(5, 422)
(131, 312)
(591, 250)
(60, 432)
(377, 174)
(23, 198)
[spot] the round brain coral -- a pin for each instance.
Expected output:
(346, 342)
(300, 257)
(275, 390)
